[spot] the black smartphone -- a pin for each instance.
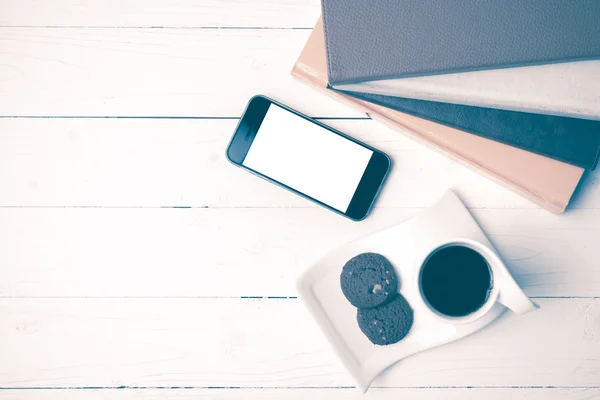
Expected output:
(308, 158)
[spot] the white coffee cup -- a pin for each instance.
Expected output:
(501, 283)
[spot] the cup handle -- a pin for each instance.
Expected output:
(513, 297)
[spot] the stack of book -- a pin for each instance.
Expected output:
(510, 88)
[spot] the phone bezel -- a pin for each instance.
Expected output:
(368, 188)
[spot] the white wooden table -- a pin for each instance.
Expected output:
(136, 262)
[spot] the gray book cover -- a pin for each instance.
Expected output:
(387, 39)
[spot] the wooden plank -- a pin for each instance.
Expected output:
(152, 72)
(253, 252)
(158, 13)
(316, 394)
(152, 163)
(209, 343)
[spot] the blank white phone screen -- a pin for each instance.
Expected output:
(308, 158)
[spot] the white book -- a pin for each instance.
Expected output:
(568, 89)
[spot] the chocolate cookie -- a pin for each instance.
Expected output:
(368, 280)
(388, 323)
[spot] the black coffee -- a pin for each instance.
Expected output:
(456, 281)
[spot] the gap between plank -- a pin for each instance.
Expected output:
(227, 297)
(153, 297)
(206, 27)
(159, 117)
(252, 207)
(265, 207)
(284, 387)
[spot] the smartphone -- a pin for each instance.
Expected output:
(308, 158)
